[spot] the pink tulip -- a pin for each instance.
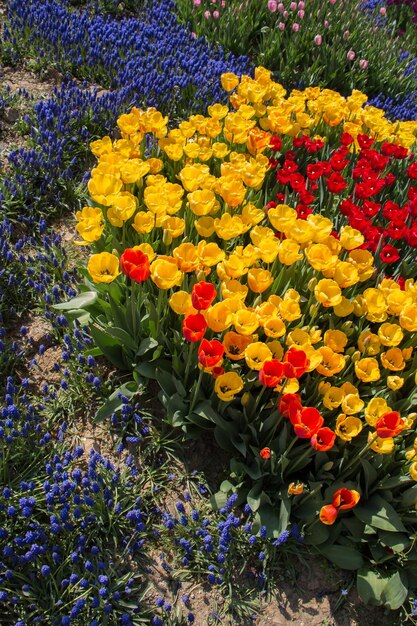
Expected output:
(281, 26)
(293, 6)
(301, 5)
(317, 40)
(326, 24)
(296, 27)
(301, 14)
(281, 7)
(350, 55)
(285, 15)
(363, 64)
(216, 15)
(383, 11)
(272, 6)
(207, 15)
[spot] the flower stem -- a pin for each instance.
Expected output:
(196, 391)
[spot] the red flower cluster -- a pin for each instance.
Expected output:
(367, 179)
(307, 422)
(343, 499)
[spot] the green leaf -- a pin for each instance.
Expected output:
(395, 592)
(123, 337)
(409, 497)
(79, 302)
(223, 439)
(113, 403)
(318, 534)
(284, 513)
(268, 517)
(218, 500)
(145, 345)
(205, 410)
(377, 512)
(147, 370)
(238, 443)
(370, 586)
(109, 346)
(370, 474)
(342, 556)
(226, 486)
(253, 497)
(396, 541)
(166, 381)
(389, 590)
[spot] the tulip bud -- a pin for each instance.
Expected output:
(167, 237)
(245, 398)
(312, 284)
(314, 311)
(328, 466)
(356, 356)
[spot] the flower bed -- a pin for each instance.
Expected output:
(245, 260)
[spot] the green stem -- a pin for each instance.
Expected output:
(158, 311)
(196, 391)
(188, 364)
(358, 456)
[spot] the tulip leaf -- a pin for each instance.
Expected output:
(387, 590)
(79, 302)
(370, 586)
(409, 497)
(145, 345)
(123, 337)
(395, 592)
(396, 541)
(343, 556)
(239, 444)
(284, 513)
(318, 534)
(109, 346)
(218, 500)
(223, 439)
(166, 382)
(378, 513)
(269, 517)
(114, 403)
(253, 497)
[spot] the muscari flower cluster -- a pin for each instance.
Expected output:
(58, 531)
(215, 546)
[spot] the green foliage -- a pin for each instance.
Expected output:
(296, 57)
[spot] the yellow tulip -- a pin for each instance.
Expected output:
(103, 267)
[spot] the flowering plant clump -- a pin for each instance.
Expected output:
(335, 43)
(258, 263)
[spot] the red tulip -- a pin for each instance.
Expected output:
(306, 422)
(202, 295)
(271, 373)
(210, 352)
(135, 264)
(194, 327)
